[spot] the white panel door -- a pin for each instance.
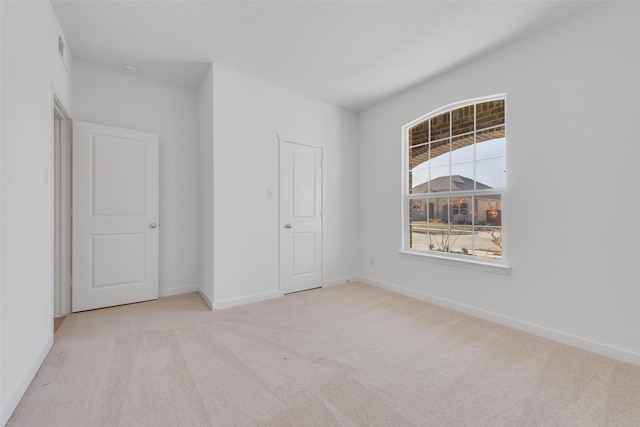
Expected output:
(300, 217)
(115, 216)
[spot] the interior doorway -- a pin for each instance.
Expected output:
(62, 211)
(300, 217)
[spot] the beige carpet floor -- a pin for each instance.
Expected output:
(351, 355)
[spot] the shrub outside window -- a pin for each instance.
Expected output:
(455, 181)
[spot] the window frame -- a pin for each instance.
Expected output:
(497, 265)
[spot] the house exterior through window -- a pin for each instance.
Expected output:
(455, 181)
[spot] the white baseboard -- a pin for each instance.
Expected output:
(233, 302)
(206, 299)
(167, 292)
(555, 335)
(337, 282)
(16, 395)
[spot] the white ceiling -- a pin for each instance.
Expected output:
(350, 53)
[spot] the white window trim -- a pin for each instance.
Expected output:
(453, 260)
(484, 264)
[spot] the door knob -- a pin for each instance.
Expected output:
(153, 225)
(288, 226)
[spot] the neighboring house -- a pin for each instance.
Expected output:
(486, 210)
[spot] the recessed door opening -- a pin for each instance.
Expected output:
(61, 212)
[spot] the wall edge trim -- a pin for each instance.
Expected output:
(582, 343)
(234, 302)
(341, 281)
(16, 395)
(204, 296)
(178, 290)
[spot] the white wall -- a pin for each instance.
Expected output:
(248, 115)
(573, 155)
(205, 187)
(116, 99)
(30, 68)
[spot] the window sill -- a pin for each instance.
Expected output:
(456, 262)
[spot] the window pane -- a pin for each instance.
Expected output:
(439, 149)
(489, 114)
(440, 179)
(487, 242)
(459, 208)
(419, 181)
(418, 168)
(488, 233)
(462, 177)
(488, 210)
(490, 144)
(419, 134)
(440, 126)
(418, 210)
(462, 120)
(418, 155)
(438, 236)
(462, 149)
(487, 134)
(461, 239)
(418, 224)
(438, 210)
(419, 238)
(490, 173)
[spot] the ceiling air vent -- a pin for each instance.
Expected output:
(61, 47)
(63, 52)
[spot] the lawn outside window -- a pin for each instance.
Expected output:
(455, 182)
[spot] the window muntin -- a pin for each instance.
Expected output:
(456, 180)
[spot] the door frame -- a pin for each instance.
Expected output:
(281, 262)
(60, 206)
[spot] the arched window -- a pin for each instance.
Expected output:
(455, 181)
